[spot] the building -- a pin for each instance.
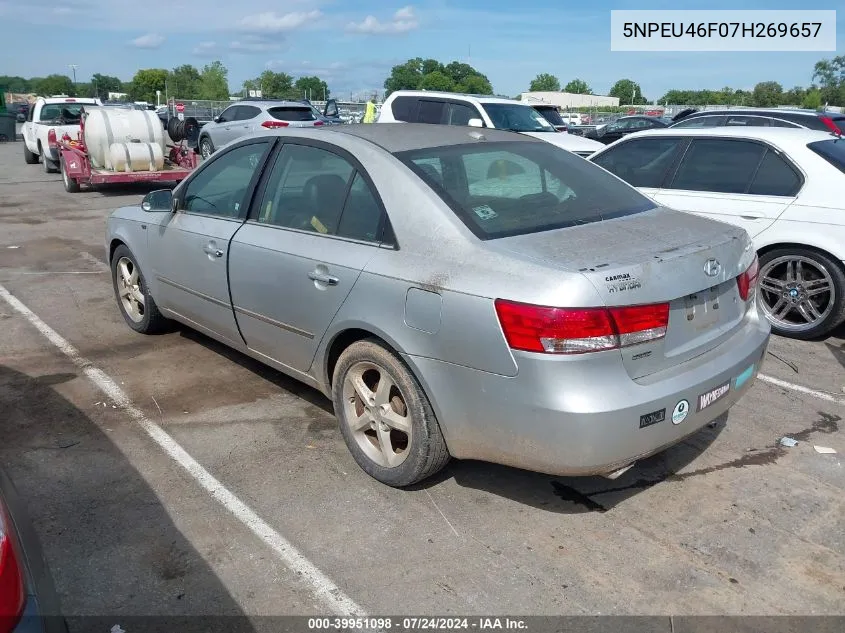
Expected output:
(570, 100)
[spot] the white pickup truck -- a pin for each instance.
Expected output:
(48, 120)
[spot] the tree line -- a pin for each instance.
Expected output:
(211, 82)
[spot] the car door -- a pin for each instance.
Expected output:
(643, 162)
(744, 182)
(615, 131)
(317, 223)
(247, 120)
(223, 130)
(189, 247)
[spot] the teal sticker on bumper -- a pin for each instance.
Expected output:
(744, 377)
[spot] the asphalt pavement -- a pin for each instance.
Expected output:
(248, 502)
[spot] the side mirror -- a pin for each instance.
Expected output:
(217, 119)
(160, 200)
(475, 123)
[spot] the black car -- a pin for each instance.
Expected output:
(552, 114)
(28, 600)
(775, 117)
(623, 126)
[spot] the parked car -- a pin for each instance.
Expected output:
(330, 114)
(48, 120)
(607, 134)
(252, 115)
(781, 185)
(552, 114)
(359, 258)
(421, 106)
(758, 117)
(28, 599)
(20, 110)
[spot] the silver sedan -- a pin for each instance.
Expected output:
(455, 292)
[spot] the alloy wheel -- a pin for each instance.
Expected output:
(796, 292)
(130, 289)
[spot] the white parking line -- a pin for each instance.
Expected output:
(322, 587)
(821, 395)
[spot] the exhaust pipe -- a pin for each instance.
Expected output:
(616, 474)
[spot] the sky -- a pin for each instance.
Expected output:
(353, 45)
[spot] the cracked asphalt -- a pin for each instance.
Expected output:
(728, 522)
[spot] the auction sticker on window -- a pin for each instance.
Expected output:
(706, 399)
(485, 212)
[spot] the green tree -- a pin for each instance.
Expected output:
(544, 82)
(794, 96)
(437, 80)
(767, 94)
(213, 83)
(183, 82)
(54, 85)
(102, 85)
(578, 87)
(410, 76)
(405, 76)
(273, 85)
(16, 84)
(431, 66)
(145, 83)
(312, 88)
(812, 99)
(476, 85)
(830, 73)
(628, 92)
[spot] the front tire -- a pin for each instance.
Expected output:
(385, 417)
(29, 157)
(136, 304)
(801, 292)
(206, 148)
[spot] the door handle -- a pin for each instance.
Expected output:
(323, 278)
(211, 250)
(752, 216)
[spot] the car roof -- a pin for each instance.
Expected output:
(402, 137)
(456, 95)
(271, 102)
(764, 111)
(782, 136)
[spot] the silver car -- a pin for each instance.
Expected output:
(250, 116)
(481, 295)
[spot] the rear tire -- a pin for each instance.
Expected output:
(71, 185)
(49, 165)
(130, 286)
(385, 417)
(29, 157)
(798, 281)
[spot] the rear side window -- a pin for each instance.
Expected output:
(833, 151)
(247, 112)
(641, 162)
(430, 111)
(718, 165)
(701, 121)
(754, 121)
(292, 113)
(782, 123)
(404, 109)
(513, 188)
(775, 177)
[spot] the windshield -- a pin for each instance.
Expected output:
(833, 151)
(513, 188)
(517, 118)
(550, 114)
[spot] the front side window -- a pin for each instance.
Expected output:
(641, 162)
(551, 115)
(229, 114)
(718, 165)
(219, 188)
(513, 188)
(517, 118)
(460, 114)
(701, 121)
(430, 111)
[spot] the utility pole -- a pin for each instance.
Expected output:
(73, 68)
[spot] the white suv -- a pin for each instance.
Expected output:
(447, 108)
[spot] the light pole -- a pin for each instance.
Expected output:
(73, 68)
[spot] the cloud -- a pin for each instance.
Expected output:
(271, 22)
(150, 40)
(204, 49)
(257, 44)
(403, 20)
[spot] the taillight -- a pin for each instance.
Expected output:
(829, 124)
(11, 577)
(747, 281)
(549, 330)
(51, 138)
(274, 124)
(318, 122)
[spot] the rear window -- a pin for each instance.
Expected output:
(68, 112)
(514, 188)
(292, 113)
(833, 151)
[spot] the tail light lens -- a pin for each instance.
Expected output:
(831, 125)
(11, 577)
(51, 138)
(549, 330)
(274, 124)
(747, 281)
(318, 123)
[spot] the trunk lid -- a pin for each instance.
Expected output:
(659, 256)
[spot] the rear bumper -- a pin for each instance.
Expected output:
(579, 415)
